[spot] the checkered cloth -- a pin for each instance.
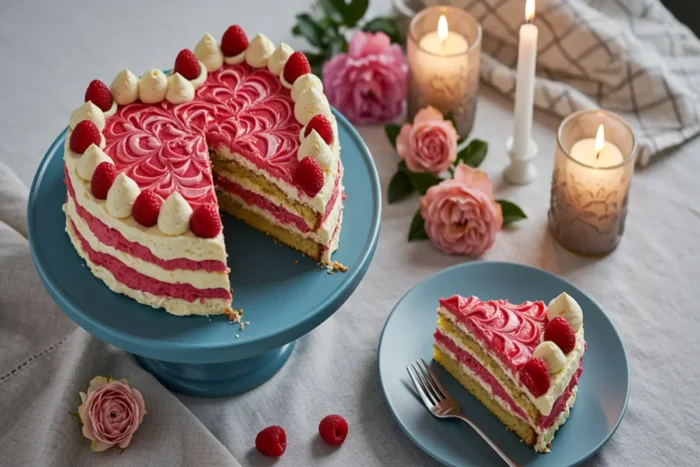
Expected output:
(631, 57)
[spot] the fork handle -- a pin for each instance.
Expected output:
(493, 445)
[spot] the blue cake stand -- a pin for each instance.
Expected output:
(283, 294)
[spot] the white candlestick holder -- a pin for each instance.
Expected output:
(521, 170)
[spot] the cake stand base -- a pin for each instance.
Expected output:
(218, 379)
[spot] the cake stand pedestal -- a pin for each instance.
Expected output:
(211, 356)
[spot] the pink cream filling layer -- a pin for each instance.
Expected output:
(116, 240)
(137, 281)
(499, 391)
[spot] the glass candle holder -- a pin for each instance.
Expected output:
(443, 72)
(590, 187)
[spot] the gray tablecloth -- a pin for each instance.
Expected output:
(648, 286)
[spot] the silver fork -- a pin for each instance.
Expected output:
(441, 404)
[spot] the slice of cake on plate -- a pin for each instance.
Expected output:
(522, 361)
(241, 126)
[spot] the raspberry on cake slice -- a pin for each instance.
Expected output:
(523, 362)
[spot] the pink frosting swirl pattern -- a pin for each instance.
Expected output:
(165, 147)
(510, 331)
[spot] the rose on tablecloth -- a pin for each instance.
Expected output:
(111, 413)
(368, 83)
(429, 144)
(461, 215)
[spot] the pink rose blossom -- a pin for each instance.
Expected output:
(111, 412)
(430, 144)
(367, 84)
(461, 215)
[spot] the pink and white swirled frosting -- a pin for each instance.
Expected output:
(165, 147)
(510, 331)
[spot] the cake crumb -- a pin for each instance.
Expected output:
(237, 336)
(336, 266)
(296, 261)
(243, 325)
(234, 315)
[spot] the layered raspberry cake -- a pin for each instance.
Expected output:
(523, 362)
(242, 126)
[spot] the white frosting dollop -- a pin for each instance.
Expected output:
(180, 89)
(112, 110)
(552, 356)
(314, 146)
(236, 59)
(259, 51)
(304, 82)
(209, 53)
(279, 58)
(121, 196)
(88, 111)
(174, 216)
(153, 86)
(125, 87)
(309, 103)
(91, 158)
(568, 308)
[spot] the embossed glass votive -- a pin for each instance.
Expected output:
(590, 188)
(443, 70)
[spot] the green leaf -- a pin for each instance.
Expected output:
(335, 10)
(337, 45)
(386, 25)
(310, 29)
(417, 229)
(296, 30)
(421, 181)
(403, 166)
(474, 154)
(511, 212)
(354, 11)
(392, 132)
(400, 186)
(76, 415)
(314, 58)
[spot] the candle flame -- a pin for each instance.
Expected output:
(442, 30)
(529, 10)
(599, 141)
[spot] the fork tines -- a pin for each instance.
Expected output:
(426, 383)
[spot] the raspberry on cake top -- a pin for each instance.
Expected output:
(243, 126)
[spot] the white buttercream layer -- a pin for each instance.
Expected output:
(559, 381)
(544, 439)
(199, 279)
(175, 306)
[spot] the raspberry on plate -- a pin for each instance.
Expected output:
(333, 429)
(272, 441)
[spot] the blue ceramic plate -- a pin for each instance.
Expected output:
(281, 299)
(408, 335)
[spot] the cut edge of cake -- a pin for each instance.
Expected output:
(505, 388)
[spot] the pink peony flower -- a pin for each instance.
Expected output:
(111, 412)
(461, 215)
(367, 84)
(430, 144)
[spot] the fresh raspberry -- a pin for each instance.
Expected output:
(146, 208)
(102, 179)
(561, 333)
(333, 429)
(234, 41)
(535, 376)
(322, 126)
(99, 94)
(84, 134)
(309, 176)
(187, 64)
(205, 221)
(296, 66)
(272, 441)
